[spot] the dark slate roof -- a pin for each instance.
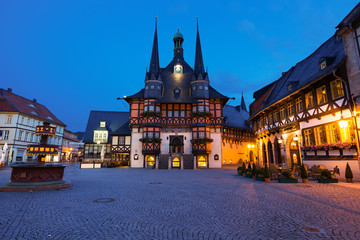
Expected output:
(123, 130)
(12, 102)
(80, 136)
(114, 121)
(139, 94)
(170, 83)
(353, 15)
(236, 117)
(307, 71)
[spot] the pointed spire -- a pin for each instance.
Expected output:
(154, 62)
(199, 64)
(243, 105)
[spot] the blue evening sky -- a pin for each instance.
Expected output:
(77, 56)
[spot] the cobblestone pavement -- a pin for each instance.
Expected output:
(123, 203)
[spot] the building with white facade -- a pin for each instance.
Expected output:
(18, 120)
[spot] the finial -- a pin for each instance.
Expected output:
(178, 29)
(155, 22)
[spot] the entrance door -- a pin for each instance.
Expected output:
(150, 161)
(294, 153)
(175, 162)
(270, 153)
(264, 153)
(202, 163)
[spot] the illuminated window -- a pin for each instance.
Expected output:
(323, 65)
(309, 100)
(347, 132)
(178, 68)
(202, 161)
(308, 137)
(332, 133)
(298, 105)
(321, 95)
(150, 161)
(102, 124)
(282, 112)
(271, 119)
(290, 108)
(276, 116)
(319, 133)
(336, 89)
(176, 162)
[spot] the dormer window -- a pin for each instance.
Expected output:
(323, 65)
(178, 68)
(50, 118)
(33, 112)
(102, 124)
(32, 105)
(177, 91)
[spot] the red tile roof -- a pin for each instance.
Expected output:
(12, 102)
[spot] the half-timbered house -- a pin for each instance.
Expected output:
(177, 120)
(305, 115)
(107, 137)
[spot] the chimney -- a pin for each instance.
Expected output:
(34, 100)
(9, 90)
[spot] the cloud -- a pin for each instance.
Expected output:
(246, 26)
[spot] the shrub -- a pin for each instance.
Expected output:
(304, 171)
(287, 175)
(260, 172)
(239, 170)
(266, 172)
(326, 174)
(243, 167)
(254, 169)
(249, 167)
(348, 172)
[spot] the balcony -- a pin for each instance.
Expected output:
(45, 130)
(151, 148)
(201, 148)
(42, 150)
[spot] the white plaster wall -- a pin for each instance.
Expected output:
(215, 149)
(325, 119)
(354, 165)
(165, 142)
(136, 148)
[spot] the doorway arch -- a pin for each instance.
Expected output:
(294, 153)
(264, 153)
(277, 151)
(270, 153)
(251, 156)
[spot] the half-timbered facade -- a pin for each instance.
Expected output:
(177, 120)
(107, 137)
(305, 116)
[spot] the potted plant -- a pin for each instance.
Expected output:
(243, 169)
(326, 177)
(267, 174)
(287, 177)
(348, 174)
(304, 173)
(239, 170)
(254, 171)
(260, 174)
(248, 171)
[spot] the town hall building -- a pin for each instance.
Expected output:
(178, 120)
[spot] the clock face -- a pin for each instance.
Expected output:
(178, 69)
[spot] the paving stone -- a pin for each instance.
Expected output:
(188, 204)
